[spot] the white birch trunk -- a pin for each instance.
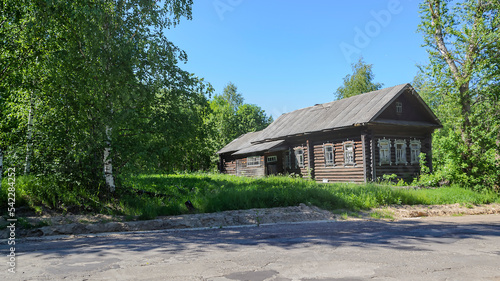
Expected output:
(108, 166)
(29, 139)
(1, 167)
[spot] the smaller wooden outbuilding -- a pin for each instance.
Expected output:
(357, 139)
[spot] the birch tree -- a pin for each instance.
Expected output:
(102, 64)
(29, 137)
(462, 40)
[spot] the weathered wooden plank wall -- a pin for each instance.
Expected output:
(244, 170)
(230, 167)
(340, 172)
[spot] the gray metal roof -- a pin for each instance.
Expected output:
(360, 109)
(243, 145)
(241, 142)
(266, 146)
(332, 115)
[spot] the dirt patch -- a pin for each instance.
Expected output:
(83, 224)
(405, 211)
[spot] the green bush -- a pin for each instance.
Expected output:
(479, 170)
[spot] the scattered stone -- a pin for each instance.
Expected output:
(84, 224)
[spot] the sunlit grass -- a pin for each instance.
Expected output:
(166, 195)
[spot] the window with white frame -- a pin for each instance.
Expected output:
(399, 107)
(272, 159)
(400, 147)
(384, 148)
(415, 149)
(299, 157)
(328, 154)
(348, 152)
(253, 161)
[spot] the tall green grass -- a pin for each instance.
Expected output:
(49, 192)
(166, 194)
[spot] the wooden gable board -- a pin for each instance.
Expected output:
(415, 104)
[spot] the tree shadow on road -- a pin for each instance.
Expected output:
(406, 235)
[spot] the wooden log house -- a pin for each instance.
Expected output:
(357, 139)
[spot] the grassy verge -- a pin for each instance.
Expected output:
(149, 196)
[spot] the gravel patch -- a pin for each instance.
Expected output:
(84, 224)
(405, 211)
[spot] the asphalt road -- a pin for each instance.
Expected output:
(445, 248)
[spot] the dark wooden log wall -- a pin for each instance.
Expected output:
(279, 163)
(366, 153)
(228, 165)
(340, 172)
(404, 171)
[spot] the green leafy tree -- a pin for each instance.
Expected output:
(92, 92)
(230, 97)
(177, 137)
(19, 67)
(252, 118)
(462, 39)
(231, 117)
(359, 82)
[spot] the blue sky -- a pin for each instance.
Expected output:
(286, 54)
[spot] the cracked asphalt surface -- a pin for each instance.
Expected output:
(440, 248)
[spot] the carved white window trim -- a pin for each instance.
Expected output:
(400, 149)
(384, 148)
(329, 154)
(349, 153)
(415, 149)
(299, 157)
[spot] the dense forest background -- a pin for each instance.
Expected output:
(92, 90)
